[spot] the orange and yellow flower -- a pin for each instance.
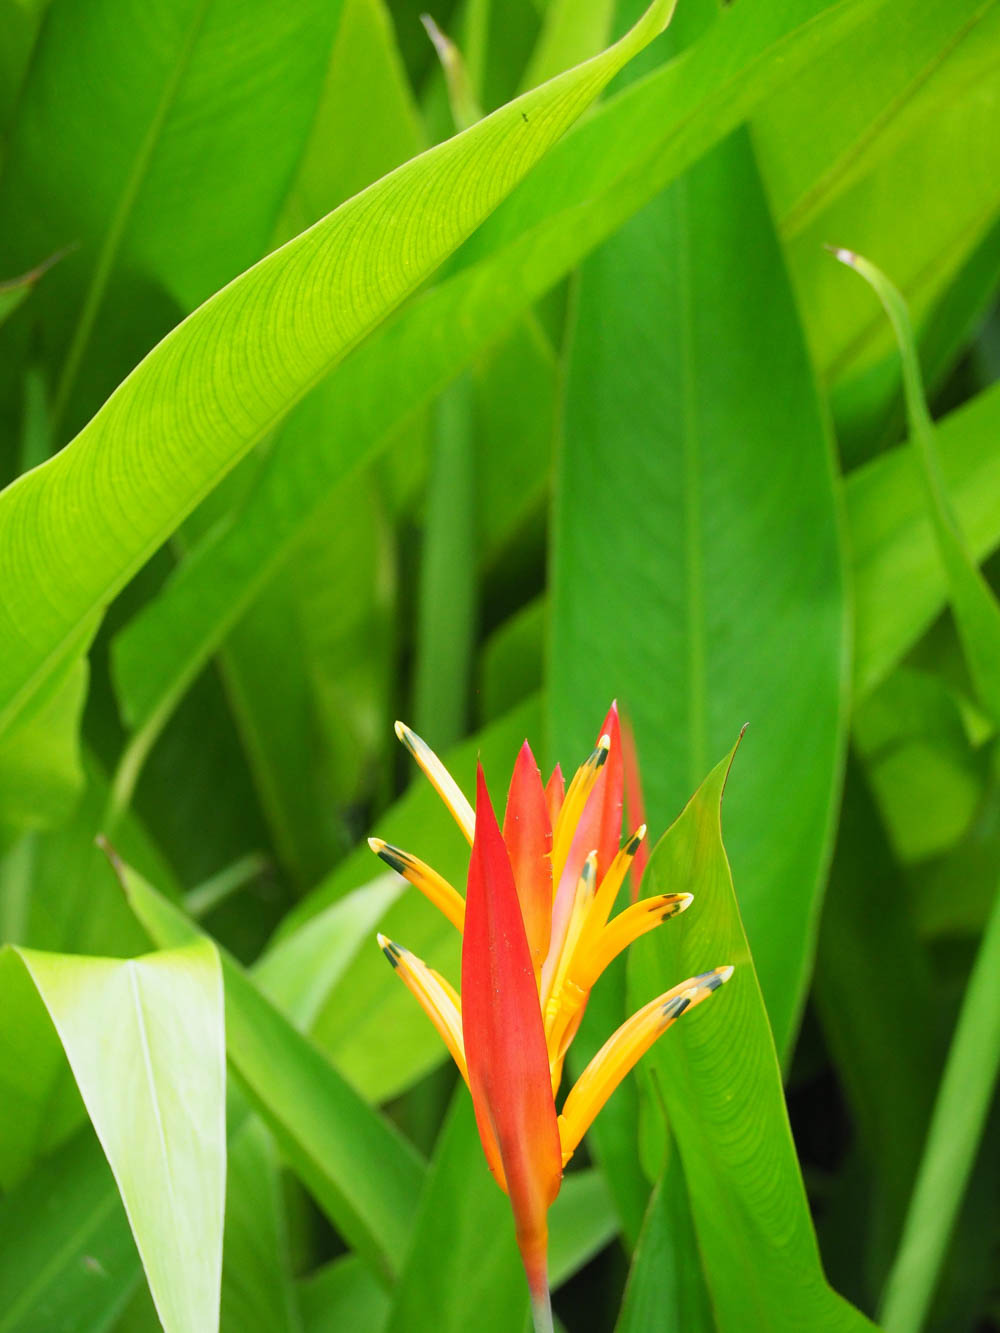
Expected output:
(537, 932)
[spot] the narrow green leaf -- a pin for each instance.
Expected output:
(956, 1128)
(360, 1170)
(156, 1097)
(718, 1076)
(612, 164)
(299, 971)
(258, 1294)
(977, 614)
(900, 583)
(196, 412)
(446, 599)
(41, 773)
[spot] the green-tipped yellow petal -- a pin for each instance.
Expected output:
(627, 926)
(423, 877)
(440, 779)
(435, 995)
(621, 1051)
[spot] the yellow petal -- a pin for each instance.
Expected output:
(627, 926)
(621, 1051)
(425, 878)
(435, 995)
(607, 893)
(553, 1002)
(440, 779)
(572, 807)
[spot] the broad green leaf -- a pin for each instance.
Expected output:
(898, 577)
(360, 1170)
(664, 1290)
(957, 1125)
(41, 774)
(67, 1257)
(718, 1075)
(124, 107)
(463, 1269)
(156, 1097)
(612, 164)
(370, 1025)
(712, 612)
(866, 95)
(975, 608)
(189, 408)
(343, 1295)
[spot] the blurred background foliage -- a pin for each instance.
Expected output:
(640, 436)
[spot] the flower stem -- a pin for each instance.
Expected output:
(541, 1310)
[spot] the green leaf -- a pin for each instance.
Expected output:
(899, 580)
(123, 109)
(718, 1076)
(194, 411)
(156, 1097)
(663, 1290)
(67, 1257)
(447, 592)
(957, 1125)
(977, 614)
(712, 612)
(343, 1295)
(607, 169)
(41, 773)
(362, 1173)
(299, 971)
(463, 1269)
(258, 1294)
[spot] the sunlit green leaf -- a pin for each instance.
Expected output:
(300, 311)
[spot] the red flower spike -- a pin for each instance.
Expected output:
(505, 1042)
(527, 834)
(555, 793)
(634, 803)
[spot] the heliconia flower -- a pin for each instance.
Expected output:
(537, 932)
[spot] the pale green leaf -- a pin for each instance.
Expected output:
(145, 1041)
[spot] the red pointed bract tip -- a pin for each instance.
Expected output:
(505, 1041)
(527, 834)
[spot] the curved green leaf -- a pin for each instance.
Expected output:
(224, 377)
(718, 1076)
